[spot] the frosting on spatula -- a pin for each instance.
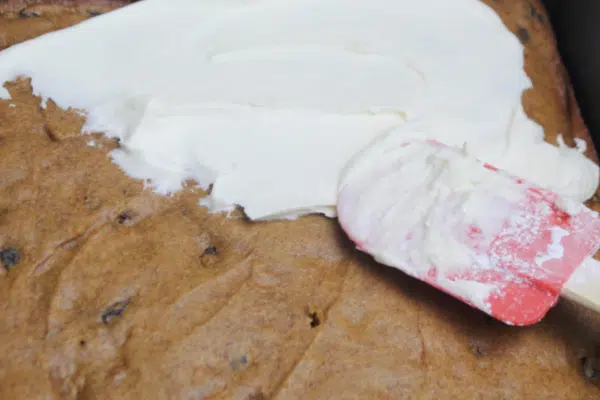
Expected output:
(494, 241)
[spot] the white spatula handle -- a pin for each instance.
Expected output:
(583, 286)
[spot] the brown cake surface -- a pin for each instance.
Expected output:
(118, 293)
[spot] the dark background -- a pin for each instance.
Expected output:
(577, 27)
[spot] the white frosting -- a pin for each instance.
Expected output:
(581, 145)
(260, 158)
(268, 99)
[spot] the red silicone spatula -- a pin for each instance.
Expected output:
(494, 241)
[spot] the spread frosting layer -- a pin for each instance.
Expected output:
(267, 100)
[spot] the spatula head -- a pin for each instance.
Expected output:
(496, 242)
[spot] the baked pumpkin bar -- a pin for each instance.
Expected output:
(112, 291)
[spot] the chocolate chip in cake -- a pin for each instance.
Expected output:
(313, 315)
(10, 257)
(24, 13)
(591, 368)
(114, 310)
(94, 13)
(523, 35)
(210, 250)
(534, 13)
(314, 320)
(209, 256)
(123, 218)
(239, 363)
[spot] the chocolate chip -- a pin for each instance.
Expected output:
(239, 363)
(123, 218)
(82, 343)
(209, 257)
(9, 257)
(534, 13)
(210, 250)
(523, 35)
(23, 13)
(114, 310)
(591, 368)
(94, 13)
(315, 320)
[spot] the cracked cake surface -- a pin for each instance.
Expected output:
(110, 291)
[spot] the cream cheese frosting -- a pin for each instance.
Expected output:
(267, 100)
